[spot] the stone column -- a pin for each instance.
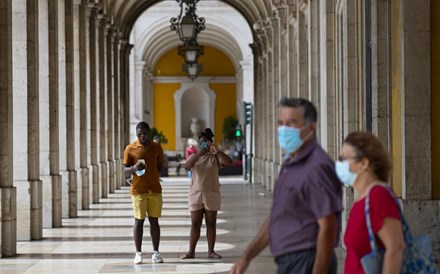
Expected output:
(117, 111)
(110, 107)
(33, 129)
(93, 26)
(124, 93)
(380, 46)
(102, 106)
(148, 95)
(62, 114)
(137, 98)
(313, 53)
(327, 113)
(20, 115)
(70, 109)
(351, 97)
(302, 48)
(258, 157)
(54, 133)
(8, 191)
(420, 209)
(84, 110)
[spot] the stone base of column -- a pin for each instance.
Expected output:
(119, 174)
(423, 218)
(64, 193)
(269, 172)
(23, 210)
(73, 195)
(95, 184)
(257, 172)
(57, 201)
(36, 190)
(111, 176)
(104, 180)
(9, 221)
(85, 201)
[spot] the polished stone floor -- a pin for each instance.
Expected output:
(100, 239)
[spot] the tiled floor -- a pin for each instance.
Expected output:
(100, 239)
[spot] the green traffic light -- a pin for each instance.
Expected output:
(238, 133)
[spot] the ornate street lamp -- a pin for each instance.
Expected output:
(190, 51)
(188, 25)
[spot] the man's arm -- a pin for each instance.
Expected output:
(260, 242)
(129, 170)
(325, 243)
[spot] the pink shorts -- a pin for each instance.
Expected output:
(209, 200)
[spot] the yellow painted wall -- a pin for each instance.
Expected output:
(164, 112)
(216, 63)
(435, 96)
(225, 106)
(396, 94)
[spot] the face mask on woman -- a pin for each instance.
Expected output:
(344, 174)
(289, 138)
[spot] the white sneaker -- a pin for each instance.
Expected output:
(138, 258)
(156, 258)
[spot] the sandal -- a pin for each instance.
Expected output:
(187, 256)
(214, 255)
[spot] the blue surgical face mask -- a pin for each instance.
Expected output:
(289, 138)
(140, 172)
(203, 145)
(344, 174)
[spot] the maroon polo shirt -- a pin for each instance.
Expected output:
(307, 189)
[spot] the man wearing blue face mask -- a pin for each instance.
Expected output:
(305, 219)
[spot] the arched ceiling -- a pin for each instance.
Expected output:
(225, 30)
(124, 13)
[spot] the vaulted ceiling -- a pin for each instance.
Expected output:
(124, 13)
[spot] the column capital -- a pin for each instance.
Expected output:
(279, 4)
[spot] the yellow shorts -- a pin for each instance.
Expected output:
(147, 205)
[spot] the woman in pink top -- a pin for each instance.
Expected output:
(204, 192)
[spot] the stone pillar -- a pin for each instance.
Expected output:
(351, 58)
(8, 191)
(421, 211)
(43, 29)
(62, 114)
(54, 133)
(110, 107)
(33, 118)
(117, 111)
(93, 26)
(102, 106)
(70, 109)
(20, 115)
(380, 46)
(302, 47)
(327, 113)
(292, 49)
(313, 53)
(84, 110)
(137, 98)
(76, 177)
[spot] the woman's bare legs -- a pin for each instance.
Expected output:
(211, 233)
(196, 224)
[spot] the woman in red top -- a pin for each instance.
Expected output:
(364, 164)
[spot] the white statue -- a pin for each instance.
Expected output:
(195, 127)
